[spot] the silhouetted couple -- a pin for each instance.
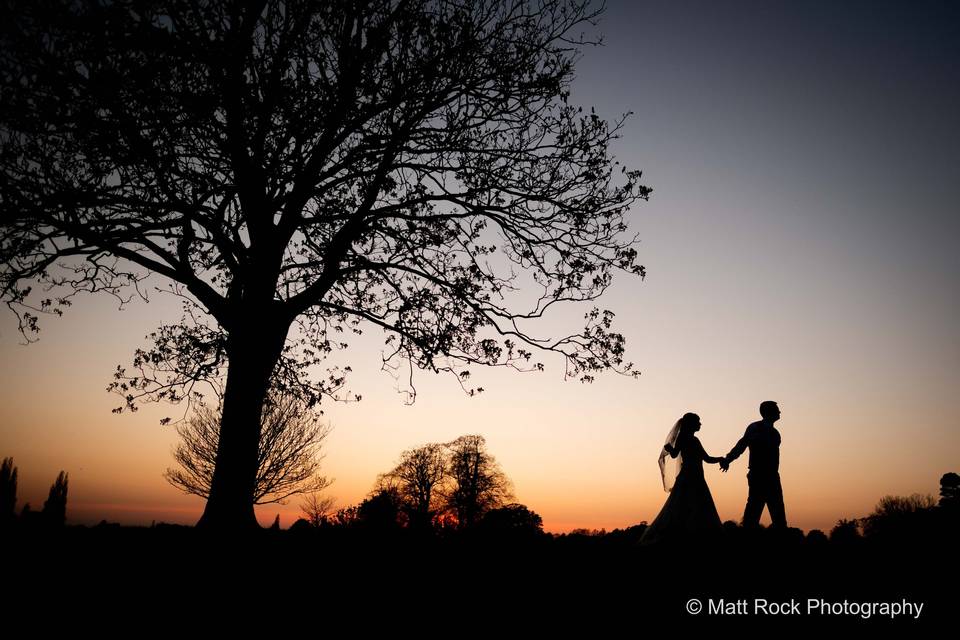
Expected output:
(689, 510)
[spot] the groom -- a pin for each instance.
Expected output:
(764, 475)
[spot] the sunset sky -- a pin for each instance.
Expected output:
(800, 247)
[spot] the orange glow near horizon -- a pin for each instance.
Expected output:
(582, 456)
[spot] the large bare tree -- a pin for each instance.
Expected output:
(296, 170)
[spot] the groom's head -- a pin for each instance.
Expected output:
(770, 411)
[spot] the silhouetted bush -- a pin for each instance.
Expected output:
(730, 528)
(513, 520)
(629, 536)
(302, 525)
(791, 536)
(346, 517)
(900, 516)
(381, 512)
(816, 538)
(845, 531)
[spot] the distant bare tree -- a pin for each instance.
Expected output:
(477, 482)
(416, 478)
(288, 460)
(317, 508)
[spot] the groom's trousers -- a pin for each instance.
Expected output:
(765, 490)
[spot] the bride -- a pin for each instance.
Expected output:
(689, 510)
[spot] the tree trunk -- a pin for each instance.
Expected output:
(253, 349)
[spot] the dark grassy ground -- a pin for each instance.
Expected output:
(357, 581)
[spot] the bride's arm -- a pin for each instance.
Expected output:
(707, 458)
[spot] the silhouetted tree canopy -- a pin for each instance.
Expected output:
(418, 480)
(295, 171)
(450, 484)
(512, 519)
(477, 483)
(291, 439)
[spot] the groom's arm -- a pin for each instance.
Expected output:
(740, 447)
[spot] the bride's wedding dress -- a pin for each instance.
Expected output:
(689, 510)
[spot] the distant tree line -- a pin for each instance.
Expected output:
(54, 513)
(459, 487)
(902, 518)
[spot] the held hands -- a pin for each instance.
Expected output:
(724, 464)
